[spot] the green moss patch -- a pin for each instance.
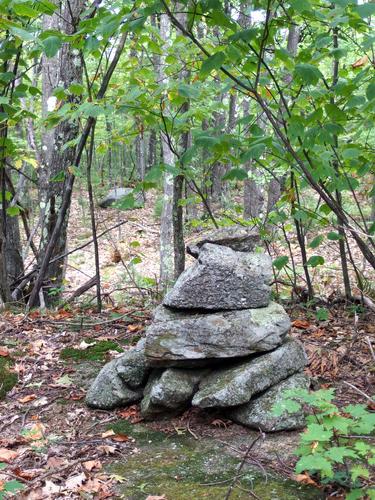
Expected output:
(141, 433)
(95, 352)
(184, 469)
(8, 379)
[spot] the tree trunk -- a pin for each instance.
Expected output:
(61, 70)
(276, 185)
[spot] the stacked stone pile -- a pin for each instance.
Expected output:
(217, 341)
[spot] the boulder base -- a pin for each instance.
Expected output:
(237, 385)
(223, 279)
(182, 336)
(258, 413)
(170, 391)
(120, 382)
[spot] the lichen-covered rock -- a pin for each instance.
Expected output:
(120, 382)
(238, 238)
(182, 336)
(258, 413)
(223, 279)
(170, 391)
(117, 194)
(132, 367)
(237, 385)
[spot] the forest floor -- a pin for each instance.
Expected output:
(56, 447)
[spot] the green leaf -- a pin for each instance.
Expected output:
(22, 9)
(307, 73)
(76, 89)
(365, 10)
(359, 471)
(189, 91)
(334, 236)
(370, 91)
(335, 113)
(316, 432)
(322, 314)
(300, 5)
(315, 260)
(280, 262)
(314, 463)
(51, 45)
(316, 241)
(212, 62)
(285, 406)
(22, 34)
(13, 486)
(338, 453)
(13, 211)
(235, 174)
(245, 35)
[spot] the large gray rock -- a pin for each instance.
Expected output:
(239, 238)
(223, 279)
(170, 391)
(237, 385)
(182, 336)
(258, 413)
(115, 195)
(120, 382)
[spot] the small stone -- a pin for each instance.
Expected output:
(223, 279)
(258, 413)
(237, 385)
(117, 194)
(179, 337)
(120, 382)
(170, 391)
(238, 238)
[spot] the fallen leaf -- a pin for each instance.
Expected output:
(120, 438)
(85, 345)
(35, 432)
(92, 464)
(64, 381)
(108, 450)
(50, 489)
(134, 328)
(7, 456)
(300, 323)
(55, 462)
(77, 396)
(305, 479)
(74, 482)
(28, 398)
(108, 433)
(4, 352)
(156, 497)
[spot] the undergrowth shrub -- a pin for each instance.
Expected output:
(336, 447)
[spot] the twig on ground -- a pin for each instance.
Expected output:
(249, 448)
(360, 392)
(370, 347)
(191, 432)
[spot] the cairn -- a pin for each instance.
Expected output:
(216, 342)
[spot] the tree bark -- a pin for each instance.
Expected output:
(61, 70)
